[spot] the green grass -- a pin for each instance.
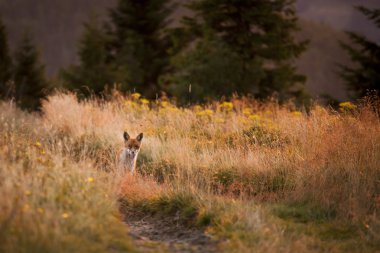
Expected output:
(329, 233)
(303, 213)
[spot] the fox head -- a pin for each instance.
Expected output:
(132, 146)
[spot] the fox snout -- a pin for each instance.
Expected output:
(132, 152)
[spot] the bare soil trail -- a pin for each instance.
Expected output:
(153, 234)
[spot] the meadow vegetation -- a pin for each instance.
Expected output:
(255, 174)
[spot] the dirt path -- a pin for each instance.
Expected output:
(154, 234)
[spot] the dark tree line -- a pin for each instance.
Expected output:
(5, 60)
(131, 49)
(224, 47)
(364, 77)
(22, 78)
(244, 46)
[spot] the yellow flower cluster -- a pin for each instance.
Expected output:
(164, 103)
(129, 103)
(136, 95)
(206, 112)
(255, 117)
(219, 120)
(197, 108)
(167, 107)
(247, 111)
(297, 114)
(144, 101)
(347, 106)
(43, 158)
(137, 102)
(226, 106)
(65, 215)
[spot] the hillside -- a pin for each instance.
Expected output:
(57, 26)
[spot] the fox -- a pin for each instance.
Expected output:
(129, 153)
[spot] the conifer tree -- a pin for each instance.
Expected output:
(365, 76)
(94, 72)
(138, 46)
(5, 62)
(29, 75)
(253, 37)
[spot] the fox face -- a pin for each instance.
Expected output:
(132, 146)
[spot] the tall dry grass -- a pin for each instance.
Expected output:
(244, 148)
(48, 201)
(219, 160)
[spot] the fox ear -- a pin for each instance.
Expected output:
(126, 136)
(140, 137)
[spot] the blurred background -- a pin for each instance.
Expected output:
(186, 49)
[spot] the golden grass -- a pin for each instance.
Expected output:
(232, 161)
(50, 203)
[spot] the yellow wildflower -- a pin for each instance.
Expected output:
(297, 114)
(164, 103)
(219, 120)
(197, 108)
(27, 193)
(144, 101)
(38, 144)
(90, 179)
(245, 122)
(40, 210)
(65, 215)
(271, 126)
(136, 95)
(206, 112)
(227, 106)
(247, 111)
(173, 109)
(130, 103)
(347, 106)
(209, 112)
(255, 117)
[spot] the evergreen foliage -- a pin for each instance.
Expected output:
(29, 78)
(243, 46)
(365, 76)
(93, 72)
(5, 63)
(138, 46)
(130, 50)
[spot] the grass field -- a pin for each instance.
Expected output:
(259, 176)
